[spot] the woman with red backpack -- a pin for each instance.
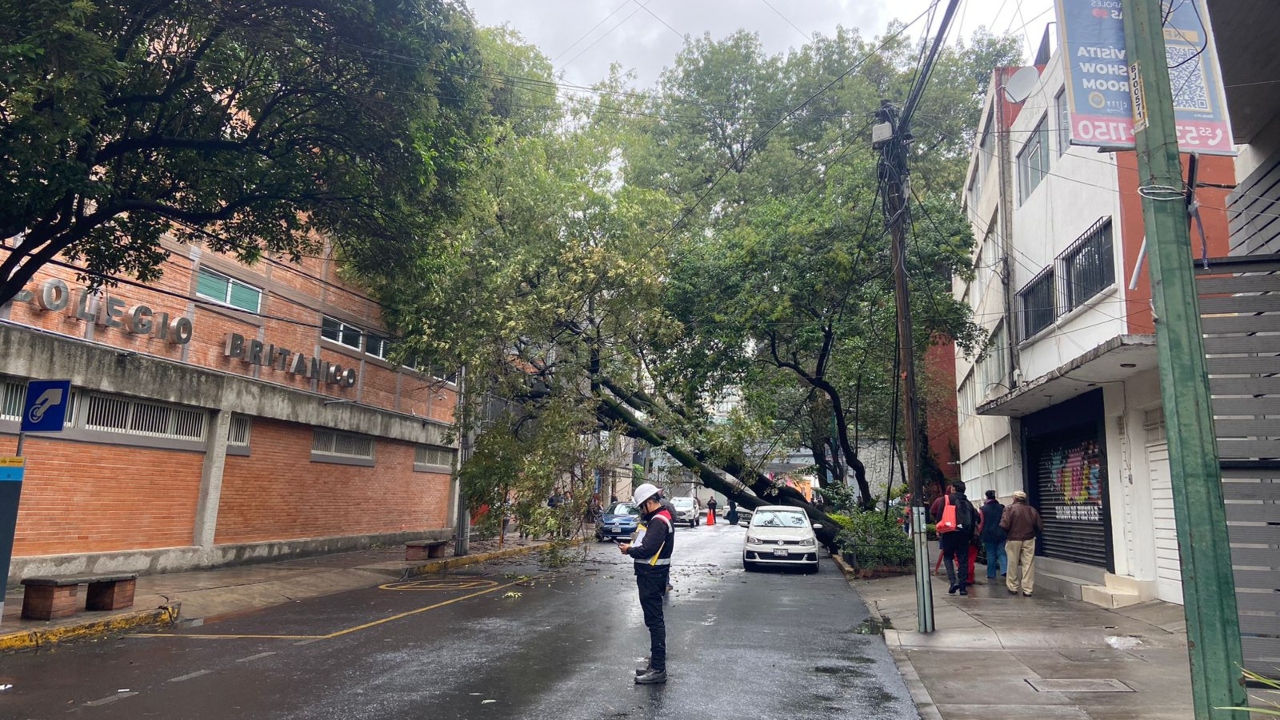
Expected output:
(957, 522)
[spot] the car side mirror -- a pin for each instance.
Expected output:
(817, 526)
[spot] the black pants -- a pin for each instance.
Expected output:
(955, 557)
(652, 583)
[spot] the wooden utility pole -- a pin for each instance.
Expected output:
(893, 177)
(1208, 585)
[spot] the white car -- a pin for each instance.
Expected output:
(780, 535)
(686, 511)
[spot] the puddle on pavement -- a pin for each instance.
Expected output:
(873, 626)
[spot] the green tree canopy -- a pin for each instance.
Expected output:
(253, 125)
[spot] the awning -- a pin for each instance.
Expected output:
(1119, 358)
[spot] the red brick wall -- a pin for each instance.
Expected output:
(288, 322)
(85, 497)
(277, 493)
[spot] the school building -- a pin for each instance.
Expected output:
(223, 414)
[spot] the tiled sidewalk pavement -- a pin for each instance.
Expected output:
(995, 655)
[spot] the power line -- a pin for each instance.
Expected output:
(788, 20)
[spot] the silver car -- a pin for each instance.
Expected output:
(780, 535)
(686, 511)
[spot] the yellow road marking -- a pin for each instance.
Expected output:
(339, 633)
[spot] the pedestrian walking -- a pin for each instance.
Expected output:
(994, 536)
(651, 551)
(956, 521)
(1022, 523)
(711, 511)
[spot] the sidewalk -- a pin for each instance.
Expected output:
(996, 655)
(170, 598)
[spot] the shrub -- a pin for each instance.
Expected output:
(876, 541)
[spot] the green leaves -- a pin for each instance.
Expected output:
(264, 123)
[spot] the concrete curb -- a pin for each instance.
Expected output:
(161, 617)
(436, 566)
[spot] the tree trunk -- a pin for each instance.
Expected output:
(762, 490)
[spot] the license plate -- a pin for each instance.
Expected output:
(781, 552)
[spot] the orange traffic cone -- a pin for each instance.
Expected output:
(711, 516)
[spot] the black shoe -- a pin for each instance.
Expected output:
(652, 677)
(953, 589)
(963, 591)
(643, 670)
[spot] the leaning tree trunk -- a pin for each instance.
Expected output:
(763, 490)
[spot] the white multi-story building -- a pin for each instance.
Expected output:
(1065, 403)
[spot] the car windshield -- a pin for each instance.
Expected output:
(772, 518)
(682, 503)
(622, 509)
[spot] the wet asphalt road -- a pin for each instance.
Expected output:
(740, 645)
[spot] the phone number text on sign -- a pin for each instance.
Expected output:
(1192, 136)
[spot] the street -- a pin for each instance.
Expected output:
(498, 641)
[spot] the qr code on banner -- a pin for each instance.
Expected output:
(1186, 76)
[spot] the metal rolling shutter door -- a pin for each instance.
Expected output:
(1069, 478)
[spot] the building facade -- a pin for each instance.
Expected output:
(222, 414)
(1065, 402)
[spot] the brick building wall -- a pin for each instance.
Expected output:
(129, 494)
(278, 492)
(89, 497)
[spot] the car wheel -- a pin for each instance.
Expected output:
(748, 567)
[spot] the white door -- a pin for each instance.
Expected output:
(1168, 567)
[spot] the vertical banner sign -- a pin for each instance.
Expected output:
(11, 469)
(1100, 95)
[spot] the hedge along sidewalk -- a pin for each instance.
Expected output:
(995, 655)
(166, 599)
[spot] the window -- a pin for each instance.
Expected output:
(15, 391)
(967, 397)
(986, 152)
(1088, 266)
(445, 375)
(437, 459)
(331, 445)
(377, 346)
(1033, 161)
(1038, 305)
(112, 413)
(340, 332)
(222, 289)
(995, 362)
(1064, 121)
(239, 432)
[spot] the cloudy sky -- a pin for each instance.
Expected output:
(583, 37)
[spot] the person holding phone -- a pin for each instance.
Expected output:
(651, 551)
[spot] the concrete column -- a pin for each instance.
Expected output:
(215, 460)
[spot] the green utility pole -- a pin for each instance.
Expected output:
(1208, 587)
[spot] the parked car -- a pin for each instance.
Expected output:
(780, 535)
(618, 521)
(744, 517)
(686, 511)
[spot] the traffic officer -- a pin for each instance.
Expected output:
(651, 551)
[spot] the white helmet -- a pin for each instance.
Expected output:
(643, 493)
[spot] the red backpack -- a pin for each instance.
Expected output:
(947, 523)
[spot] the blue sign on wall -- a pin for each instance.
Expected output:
(45, 409)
